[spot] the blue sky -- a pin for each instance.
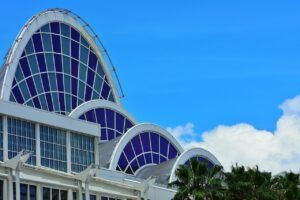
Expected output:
(205, 62)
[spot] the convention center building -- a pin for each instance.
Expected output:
(64, 132)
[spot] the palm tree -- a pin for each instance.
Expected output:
(195, 181)
(287, 186)
(249, 184)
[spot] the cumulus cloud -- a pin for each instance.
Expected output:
(244, 144)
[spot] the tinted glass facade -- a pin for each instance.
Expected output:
(82, 151)
(53, 148)
(21, 136)
(113, 124)
(58, 70)
(144, 149)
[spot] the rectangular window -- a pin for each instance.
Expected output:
(53, 148)
(21, 136)
(27, 192)
(82, 151)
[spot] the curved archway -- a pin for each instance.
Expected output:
(54, 47)
(114, 119)
(142, 145)
(191, 153)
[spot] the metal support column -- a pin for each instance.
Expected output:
(70, 194)
(17, 182)
(68, 145)
(87, 190)
(79, 196)
(5, 138)
(10, 185)
(39, 194)
(37, 145)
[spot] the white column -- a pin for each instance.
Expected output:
(87, 190)
(79, 194)
(96, 150)
(5, 138)
(70, 194)
(5, 189)
(68, 141)
(39, 194)
(10, 184)
(37, 145)
(98, 196)
(17, 180)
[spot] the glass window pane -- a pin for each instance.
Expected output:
(47, 42)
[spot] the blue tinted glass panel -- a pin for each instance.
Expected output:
(65, 30)
(163, 146)
(33, 64)
(25, 67)
(154, 142)
(65, 46)
(45, 28)
(41, 62)
(29, 47)
(56, 43)
(47, 42)
(137, 145)
(128, 151)
(74, 49)
(54, 27)
(92, 60)
(17, 94)
(37, 42)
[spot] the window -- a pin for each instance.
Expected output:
(27, 192)
(53, 148)
(54, 194)
(21, 136)
(82, 151)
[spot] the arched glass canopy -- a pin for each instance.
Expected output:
(201, 159)
(146, 148)
(144, 145)
(59, 70)
(113, 119)
(201, 154)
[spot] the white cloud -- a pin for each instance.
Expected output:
(244, 144)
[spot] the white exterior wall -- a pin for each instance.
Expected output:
(106, 182)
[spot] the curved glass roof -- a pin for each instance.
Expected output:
(202, 160)
(58, 71)
(113, 123)
(146, 148)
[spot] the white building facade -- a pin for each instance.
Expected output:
(64, 134)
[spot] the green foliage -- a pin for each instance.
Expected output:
(197, 182)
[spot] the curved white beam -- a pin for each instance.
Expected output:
(100, 103)
(135, 130)
(29, 29)
(188, 154)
